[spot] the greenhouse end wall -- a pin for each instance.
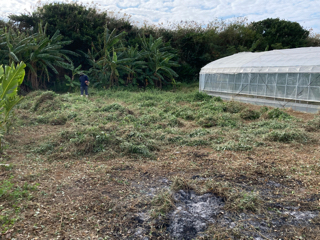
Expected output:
(300, 91)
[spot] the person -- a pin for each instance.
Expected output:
(84, 83)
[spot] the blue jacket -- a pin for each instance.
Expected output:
(83, 79)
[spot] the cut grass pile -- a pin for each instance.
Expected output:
(95, 161)
(121, 122)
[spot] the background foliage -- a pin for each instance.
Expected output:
(181, 49)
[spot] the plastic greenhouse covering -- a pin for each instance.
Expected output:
(290, 75)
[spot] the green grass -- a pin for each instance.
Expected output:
(141, 123)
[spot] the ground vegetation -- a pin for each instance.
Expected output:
(131, 165)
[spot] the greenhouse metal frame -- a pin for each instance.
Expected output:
(279, 78)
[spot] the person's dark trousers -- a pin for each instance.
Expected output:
(85, 90)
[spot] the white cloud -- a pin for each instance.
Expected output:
(127, 4)
(305, 12)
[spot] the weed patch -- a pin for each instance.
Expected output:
(228, 120)
(249, 114)
(112, 108)
(58, 120)
(201, 96)
(234, 107)
(10, 196)
(288, 136)
(244, 201)
(278, 114)
(208, 122)
(313, 125)
(233, 146)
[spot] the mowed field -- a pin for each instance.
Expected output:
(158, 165)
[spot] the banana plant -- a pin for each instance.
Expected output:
(108, 59)
(159, 60)
(136, 65)
(114, 63)
(11, 78)
(39, 51)
(70, 81)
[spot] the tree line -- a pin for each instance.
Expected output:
(58, 40)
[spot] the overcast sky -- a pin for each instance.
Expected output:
(305, 12)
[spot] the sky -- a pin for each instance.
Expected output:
(305, 12)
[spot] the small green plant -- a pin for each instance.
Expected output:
(42, 119)
(11, 78)
(112, 108)
(201, 96)
(244, 201)
(217, 99)
(278, 114)
(264, 109)
(198, 133)
(10, 192)
(249, 114)
(234, 107)
(45, 148)
(208, 122)
(174, 122)
(313, 125)
(233, 146)
(58, 120)
(129, 147)
(148, 103)
(228, 120)
(288, 136)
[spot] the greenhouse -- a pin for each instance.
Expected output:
(278, 78)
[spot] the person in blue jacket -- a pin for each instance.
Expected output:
(84, 83)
